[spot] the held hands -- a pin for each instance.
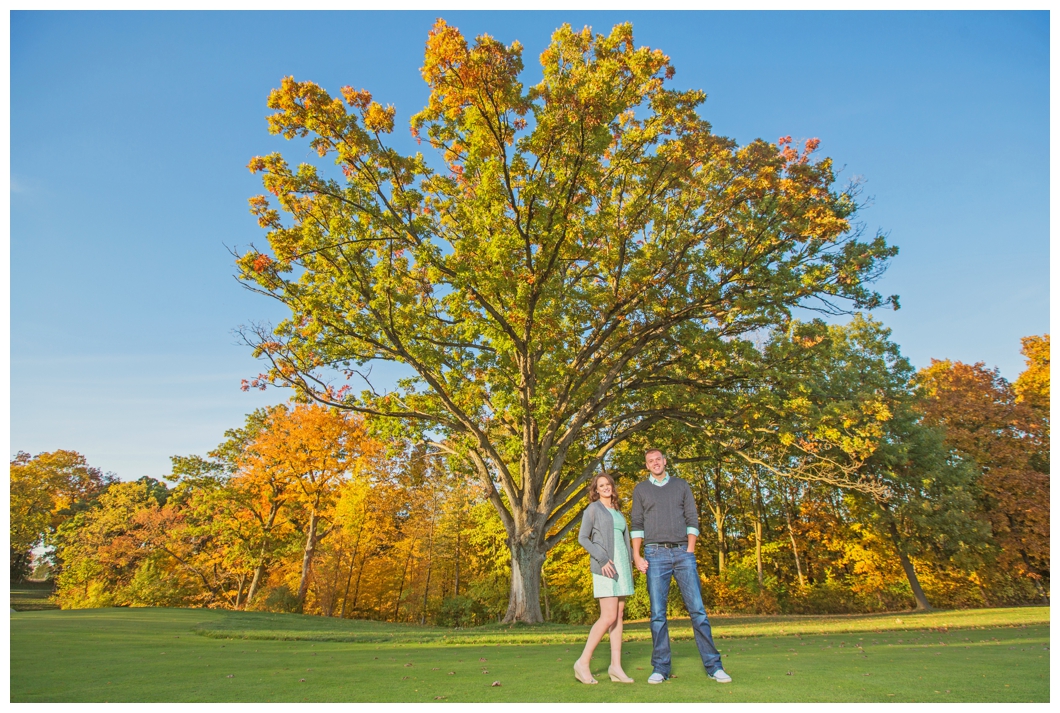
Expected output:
(608, 570)
(642, 564)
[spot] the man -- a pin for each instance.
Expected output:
(664, 517)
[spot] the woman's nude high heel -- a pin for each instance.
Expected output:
(585, 676)
(618, 678)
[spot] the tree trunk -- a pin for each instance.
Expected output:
(524, 601)
(357, 584)
(719, 512)
(307, 558)
(794, 549)
(918, 593)
(259, 571)
(239, 591)
(353, 561)
(758, 551)
(544, 594)
(332, 587)
(719, 524)
(910, 573)
(349, 579)
(758, 507)
(401, 587)
(456, 564)
(430, 562)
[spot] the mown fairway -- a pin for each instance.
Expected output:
(31, 596)
(201, 655)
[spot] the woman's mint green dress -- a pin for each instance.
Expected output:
(623, 586)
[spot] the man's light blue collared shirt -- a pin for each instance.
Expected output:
(660, 483)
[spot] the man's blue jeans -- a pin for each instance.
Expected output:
(664, 563)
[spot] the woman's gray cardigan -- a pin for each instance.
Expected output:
(597, 536)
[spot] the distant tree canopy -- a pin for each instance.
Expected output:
(593, 262)
(1004, 430)
(46, 490)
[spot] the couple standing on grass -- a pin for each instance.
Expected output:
(663, 516)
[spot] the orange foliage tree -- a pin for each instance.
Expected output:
(304, 453)
(985, 420)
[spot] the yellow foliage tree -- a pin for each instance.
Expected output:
(1032, 386)
(46, 489)
(309, 451)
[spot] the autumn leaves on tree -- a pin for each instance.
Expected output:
(591, 263)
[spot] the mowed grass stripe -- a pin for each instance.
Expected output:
(153, 655)
(260, 625)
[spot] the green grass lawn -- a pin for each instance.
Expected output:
(200, 655)
(31, 596)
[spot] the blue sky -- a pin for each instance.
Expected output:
(131, 131)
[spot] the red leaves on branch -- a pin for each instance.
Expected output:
(262, 263)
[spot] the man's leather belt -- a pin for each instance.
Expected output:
(669, 545)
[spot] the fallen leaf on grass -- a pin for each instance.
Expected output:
(408, 665)
(230, 676)
(301, 680)
(482, 659)
(452, 673)
(439, 698)
(790, 673)
(495, 683)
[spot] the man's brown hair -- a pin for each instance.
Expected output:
(654, 450)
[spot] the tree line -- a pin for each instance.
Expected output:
(311, 509)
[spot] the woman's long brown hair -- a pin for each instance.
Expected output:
(594, 494)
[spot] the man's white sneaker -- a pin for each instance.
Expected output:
(720, 676)
(656, 678)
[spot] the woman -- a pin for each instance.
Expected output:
(605, 537)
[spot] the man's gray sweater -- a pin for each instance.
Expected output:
(664, 512)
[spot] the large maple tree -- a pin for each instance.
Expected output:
(589, 263)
